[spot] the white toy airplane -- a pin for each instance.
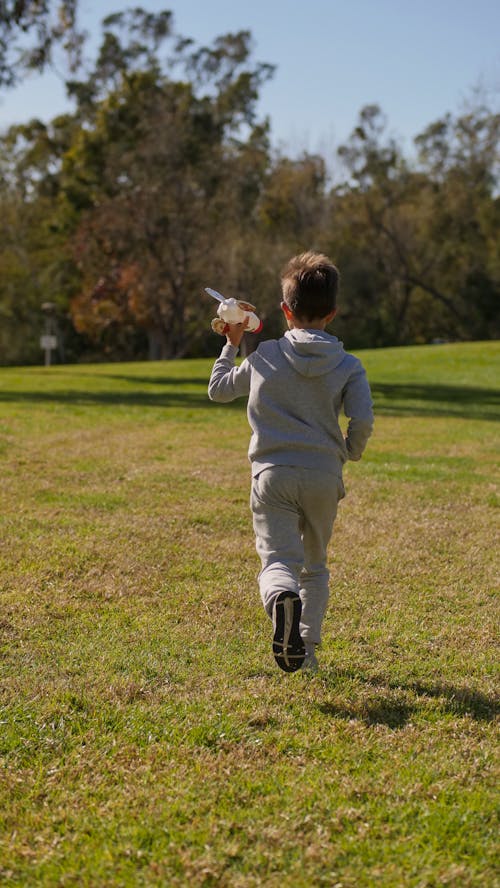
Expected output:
(233, 311)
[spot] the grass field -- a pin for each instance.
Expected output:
(146, 736)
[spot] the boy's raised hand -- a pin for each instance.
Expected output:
(234, 332)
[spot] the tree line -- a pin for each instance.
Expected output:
(164, 180)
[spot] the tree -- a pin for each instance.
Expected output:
(29, 32)
(160, 174)
(374, 220)
(424, 233)
(35, 258)
(460, 159)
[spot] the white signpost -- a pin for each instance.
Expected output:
(48, 343)
(48, 339)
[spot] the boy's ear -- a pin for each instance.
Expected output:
(287, 311)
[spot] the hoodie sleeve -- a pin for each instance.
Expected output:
(227, 381)
(358, 407)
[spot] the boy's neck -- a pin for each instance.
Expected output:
(306, 325)
(295, 323)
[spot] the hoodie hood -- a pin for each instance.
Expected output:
(312, 352)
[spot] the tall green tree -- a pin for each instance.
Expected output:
(35, 255)
(417, 241)
(460, 161)
(161, 174)
(374, 229)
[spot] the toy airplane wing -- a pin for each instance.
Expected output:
(215, 294)
(246, 306)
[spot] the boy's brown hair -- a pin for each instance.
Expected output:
(309, 284)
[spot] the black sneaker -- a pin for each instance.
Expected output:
(288, 648)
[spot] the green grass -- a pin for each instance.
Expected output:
(146, 736)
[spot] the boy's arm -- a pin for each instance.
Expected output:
(358, 407)
(227, 381)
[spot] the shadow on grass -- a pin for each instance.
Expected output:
(135, 380)
(202, 381)
(388, 710)
(395, 399)
(402, 399)
(137, 398)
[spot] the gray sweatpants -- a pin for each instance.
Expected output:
(293, 513)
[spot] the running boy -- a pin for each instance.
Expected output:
(296, 387)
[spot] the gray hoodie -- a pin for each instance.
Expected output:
(297, 386)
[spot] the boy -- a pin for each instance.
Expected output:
(296, 387)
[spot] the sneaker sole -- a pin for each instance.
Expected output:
(288, 648)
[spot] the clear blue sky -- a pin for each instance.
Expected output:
(417, 60)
